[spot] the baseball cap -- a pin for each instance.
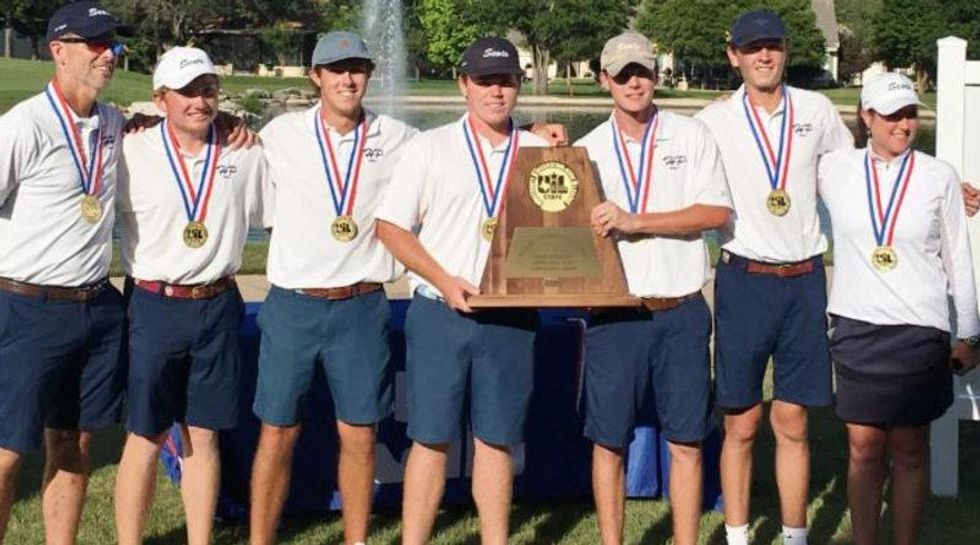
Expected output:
(86, 19)
(756, 25)
(490, 55)
(181, 65)
(339, 45)
(888, 93)
(627, 48)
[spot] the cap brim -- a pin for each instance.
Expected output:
(332, 60)
(178, 84)
(758, 38)
(892, 106)
(615, 67)
(494, 70)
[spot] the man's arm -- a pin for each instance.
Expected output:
(608, 217)
(409, 251)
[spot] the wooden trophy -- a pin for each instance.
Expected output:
(544, 252)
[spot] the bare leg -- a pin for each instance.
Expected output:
(271, 472)
(9, 466)
(200, 482)
(135, 485)
(355, 476)
(609, 489)
(686, 483)
(865, 479)
(789, 425)
(493, 487)
(425, 481)
(910, 458)
(741, 429)
(66, 468)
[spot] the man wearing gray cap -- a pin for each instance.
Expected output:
(664, 185)
(326, 308)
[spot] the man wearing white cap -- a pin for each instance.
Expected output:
(665, 185)
(61, 322)
(185, 204)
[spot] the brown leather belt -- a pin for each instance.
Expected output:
(782, 270)
(178, 291)
(342, 292)
(54, 293)
(655, 304)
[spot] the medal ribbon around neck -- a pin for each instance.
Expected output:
(491, 192)
(777, 166)
(195, 200)
(343, 192)
(883, 220)
(89, 172)
(637, 183)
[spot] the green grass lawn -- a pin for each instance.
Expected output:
(571, 521)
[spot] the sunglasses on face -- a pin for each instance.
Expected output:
(98, 46)
(629, 71)
(206, 91)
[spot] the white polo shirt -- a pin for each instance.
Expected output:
(153, 216)
(303, 253)
(43, 237)
(754, 232)
(435, 192)
(930, 242)
(686, 171)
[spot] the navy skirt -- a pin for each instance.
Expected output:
(890, 374)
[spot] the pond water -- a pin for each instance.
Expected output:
(579, 121)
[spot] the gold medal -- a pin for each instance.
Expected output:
(778, 202)
(884, 258)
(195, 234)
(489, 228)
(343, 228)
(91, 209)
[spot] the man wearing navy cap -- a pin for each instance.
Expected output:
(438, 218)
(770, 288)
(61, 322)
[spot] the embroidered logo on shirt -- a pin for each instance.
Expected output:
(373, 154)
(227, 171)
(674, 162)
(803, 129)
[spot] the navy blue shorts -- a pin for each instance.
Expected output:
(184, 363)
(347, 338)
(61, 366)
(758, 316)
(651, 366)
(890, 374)
(486, 357)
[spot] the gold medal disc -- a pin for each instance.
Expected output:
(343, 228)
(884, 258)
(195, 234)
(778, 202)
(91, 209)
(489, 228)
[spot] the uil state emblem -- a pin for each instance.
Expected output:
(553, 186)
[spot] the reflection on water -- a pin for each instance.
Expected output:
(578, 122)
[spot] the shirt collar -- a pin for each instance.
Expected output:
(737, 98)
(665, 127)
(373, 121)
(877, 159)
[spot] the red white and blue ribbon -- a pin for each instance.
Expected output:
(343, 190)
(883, 219)
(89, 171)
(777, 164)
(195, 199)
(637, 181)
(489, 189)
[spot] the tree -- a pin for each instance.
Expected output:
(963, 21)
(854, 20)
(449, 26)
(30, 18)
(904, 33)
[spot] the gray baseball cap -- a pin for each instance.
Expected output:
(338, 46)
(625, 49)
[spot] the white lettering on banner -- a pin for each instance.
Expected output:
(490, 52)
(389, 469)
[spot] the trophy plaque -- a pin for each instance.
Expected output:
(543, 252)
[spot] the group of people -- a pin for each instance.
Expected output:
(352, 198)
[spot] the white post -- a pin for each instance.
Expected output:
(950, 105)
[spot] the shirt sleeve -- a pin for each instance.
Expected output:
(403, 203)
(16, 151)
(836, 135)
(261, 197)
(958, 258)
(709, 175)
(124, 202)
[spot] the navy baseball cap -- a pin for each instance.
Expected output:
(85, 19)
(757, 25)
(339, 45)
(491, 55)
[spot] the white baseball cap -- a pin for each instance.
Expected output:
(888, 93)
(180, 66)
